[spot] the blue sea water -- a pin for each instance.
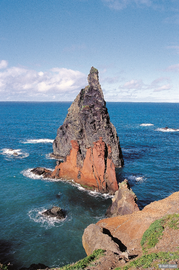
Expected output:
(28, 130)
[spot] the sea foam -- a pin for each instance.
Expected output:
(29, 174)
(14, 153)
(167, 129)
(47, 222)
(136, 178)
(146, 125)
(33, 141)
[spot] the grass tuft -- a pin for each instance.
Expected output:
(84, 262)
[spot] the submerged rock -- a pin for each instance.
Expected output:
(124, 201)
(88, 141)
(55, 211)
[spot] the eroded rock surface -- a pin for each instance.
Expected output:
(129, 228)
(124, 201)
(88, 141)
(97, 172)
(95, 237)
(86, 121)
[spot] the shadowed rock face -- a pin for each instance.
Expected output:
(124, 201)
(88, 120)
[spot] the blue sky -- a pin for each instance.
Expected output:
(47, 48)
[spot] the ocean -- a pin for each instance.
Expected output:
(27, 130)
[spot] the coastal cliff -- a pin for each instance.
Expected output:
(153, 230)
(88, 141)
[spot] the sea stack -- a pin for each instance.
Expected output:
(88, 142)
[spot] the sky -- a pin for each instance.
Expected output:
(47, 48)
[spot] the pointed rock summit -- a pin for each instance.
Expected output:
(88, 142)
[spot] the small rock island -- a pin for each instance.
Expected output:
(88, 142)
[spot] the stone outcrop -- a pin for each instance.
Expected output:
(98, 171)
(129, 228)
(55, 211)
(94, 238)
(124, 201)
(88, 141)
(42, 172)
(86, 121)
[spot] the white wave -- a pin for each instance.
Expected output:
(33, 141)
(146, 125)
(29, 174)
(48, 156)
(166, 129)
(130, 151)
(136, 178)
(93, 193)
(47, 222)
(17, 153)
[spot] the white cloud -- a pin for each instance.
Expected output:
(173, 68)
(121, 4)
(136, 90)
(163, 88)
(3, 64)
(175, 48)
(24, 84)
(133, 84)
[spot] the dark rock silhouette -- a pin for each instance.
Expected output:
(55, 211)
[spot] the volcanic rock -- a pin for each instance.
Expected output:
(55, 211)
(129, 228)
(42, 172)
(86, 121)
(124, 201)
(88, 141)
(95, 238)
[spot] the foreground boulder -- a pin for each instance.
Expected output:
(95, 237)
(88, 141)
(129, 228)
(124, 201)
(55, 211)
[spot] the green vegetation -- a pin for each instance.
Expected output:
(152, 235)
(150, 238)
(172, 221)
(87, 187)
(93, 70)
(85, 107)
(84, 262)
(3, 267)
(151, 260)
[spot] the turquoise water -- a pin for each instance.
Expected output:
(151, 166)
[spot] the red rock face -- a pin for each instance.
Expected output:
(98, 171)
